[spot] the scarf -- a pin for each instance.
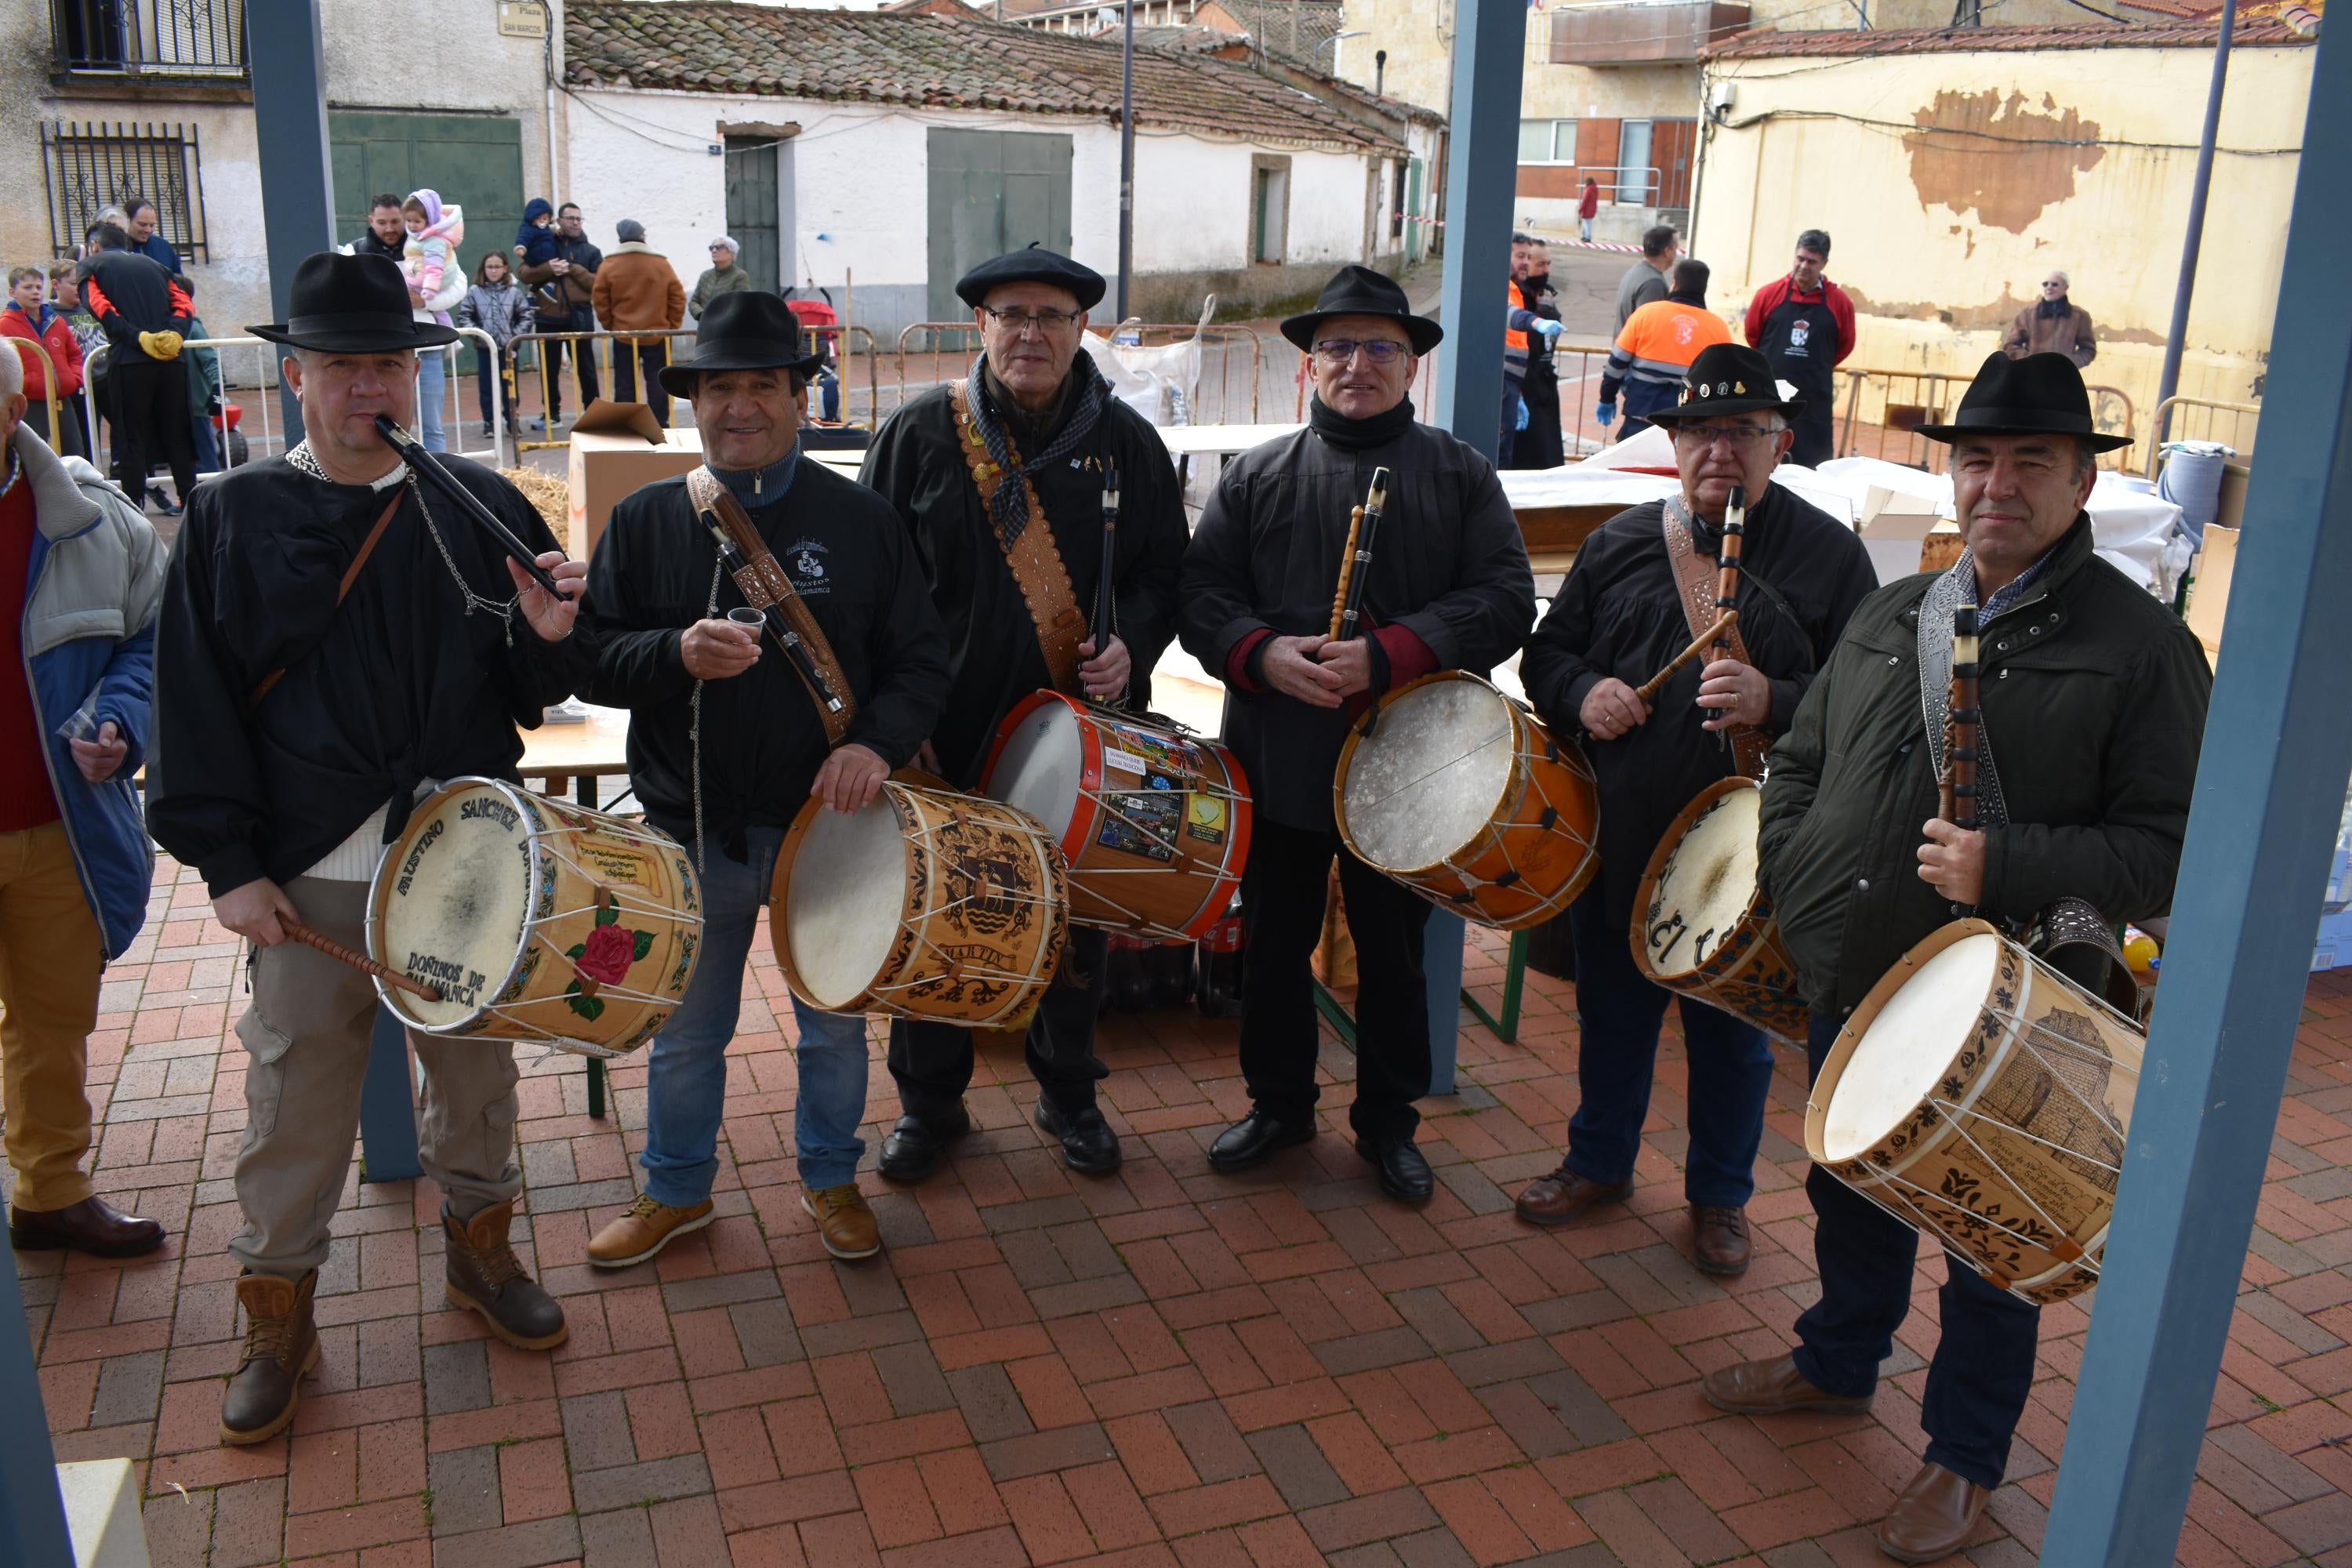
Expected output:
(2051, 309)
(1084, 396)
(1358, 434)
(1697, 301)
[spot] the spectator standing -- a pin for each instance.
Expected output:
(1654, 353)
(559, 266)
(1804, 324)
(430, 237)
(386, 233)
(203, 392)
(1522, 329)
(1647, 279)
(1539, 445)
(637, 287)
(823, 324)
(27, 315)
(2054, 324)
(721, 277)
(147, 315)
(88, 335)
(75, 869)
(1587, 207)
(496, 305)
(145, 241)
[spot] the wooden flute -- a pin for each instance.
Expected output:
(1959, 805)
(1105, 597)
(1355, 566)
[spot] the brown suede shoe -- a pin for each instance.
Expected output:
(1563, 1196)
(1772, 1387)
(1719, 1238)
(643, 1229)
(843, 1223)
(92, 1225)
(1933, 1516)
(486, 1277)
(281, 1343)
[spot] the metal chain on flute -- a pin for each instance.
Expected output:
(1355, 566)
(1959, 784)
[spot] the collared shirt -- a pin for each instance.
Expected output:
(2010, 594)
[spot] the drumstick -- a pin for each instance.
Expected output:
(1723, 624)
(359, 961)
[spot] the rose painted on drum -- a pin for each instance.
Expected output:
(609, 952)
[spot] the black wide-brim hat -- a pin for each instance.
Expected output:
(1033, 265)
(352, 305)
(1727, 378)
(2041, 395)
(749, 329)
(1360, 291)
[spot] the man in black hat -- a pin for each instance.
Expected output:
(1449, 589)
(332, 642)
(727, 745)
(2093, 700)
(1626, 610)
(1027, 441)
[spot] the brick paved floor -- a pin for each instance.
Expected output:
(1165, 1366)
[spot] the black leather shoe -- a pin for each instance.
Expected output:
(915, 1147)
(1404, 1175)
(92, 1225)
(1256, 1137)
(1088, 1144)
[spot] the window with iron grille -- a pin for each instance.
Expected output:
(95, 165)
(148, 37)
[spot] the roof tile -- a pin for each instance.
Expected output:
(1768, 43)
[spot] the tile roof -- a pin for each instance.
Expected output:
(1184, 40)
(1765, 44)
(939, 62)
(1270, 23)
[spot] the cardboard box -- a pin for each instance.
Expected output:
(1893, 529)
(618, 449)
(2209, 587)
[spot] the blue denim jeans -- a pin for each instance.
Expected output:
(432, 381)
(686, 1078)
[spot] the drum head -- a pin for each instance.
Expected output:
(454, 895)
(1918, 1031)
(846, 900)
(1039, 766)
(1709, 883)
(1429, 778)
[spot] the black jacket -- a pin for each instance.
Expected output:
(1541, 385)
(2094, 696)
(917, 463)
(1620, 614)
(130, 294)
(397, 685)
(1448, 566)
(763, 740)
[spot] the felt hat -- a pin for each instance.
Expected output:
(1033, 265)
(1727, 378)
(2041, 395)
(1360, 291)
(749, 329)
(350, 305)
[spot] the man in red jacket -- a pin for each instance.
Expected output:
(1804, 324)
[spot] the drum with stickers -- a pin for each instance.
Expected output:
(1154, 821)
(1702, 925)
(924, 904)
(532, 920)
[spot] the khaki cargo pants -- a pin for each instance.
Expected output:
(50, 954)
(307, 1034)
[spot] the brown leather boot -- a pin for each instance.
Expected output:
(486, 1277)
(1564, 1195)
(1719, 1238)
(281, 1343)
(1772, 1387)
(1934, 1516)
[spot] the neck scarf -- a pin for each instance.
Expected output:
(756, 487)
(1083, 394)
(2052, 308)
(1358, 434)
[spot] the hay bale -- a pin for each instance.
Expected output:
(551, 495)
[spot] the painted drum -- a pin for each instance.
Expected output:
(1703, 927)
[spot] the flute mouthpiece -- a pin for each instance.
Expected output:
(391, 431)
(1380, 496)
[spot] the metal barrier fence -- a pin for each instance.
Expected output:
(48, 385)
(598, 346)
(2201, 419)
(1885, 408)
(962, 338)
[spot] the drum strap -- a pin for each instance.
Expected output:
(763, 582)
(1695, 577)
(343, 588)
(1037, 564)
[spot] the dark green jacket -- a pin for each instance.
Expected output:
(2094, 696)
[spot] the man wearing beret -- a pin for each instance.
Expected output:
(1002, 477)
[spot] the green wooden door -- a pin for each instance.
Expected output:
(751, 209)
(472, 159)
(990, 192)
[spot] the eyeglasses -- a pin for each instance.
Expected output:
(1740, 438)
(2054, 283)
(1340, 351)
(1019, 322)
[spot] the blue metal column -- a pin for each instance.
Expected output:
(2270, 787)
(290, 126)
(32, 1514)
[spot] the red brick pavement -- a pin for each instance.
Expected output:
(1165, 1366)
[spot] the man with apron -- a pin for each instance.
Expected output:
(1804, 324)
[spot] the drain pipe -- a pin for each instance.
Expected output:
(1380, 72)
(2168, 382)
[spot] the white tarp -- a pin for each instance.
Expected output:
(1162, 384)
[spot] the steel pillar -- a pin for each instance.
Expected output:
(289, 124)
(32, 1512)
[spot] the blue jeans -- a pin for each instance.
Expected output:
(1618, 1012)
(1982, 1371)
(432, 381)
(686, 1079)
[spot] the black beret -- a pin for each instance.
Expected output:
(1034, 265)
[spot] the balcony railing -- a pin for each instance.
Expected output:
(183, 38)
(1640, 34)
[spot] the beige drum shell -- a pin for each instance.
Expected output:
(564, 854)
(1748, 972)
(2013, 1158)
(975, 930)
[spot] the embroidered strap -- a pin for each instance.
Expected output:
(762, 581)
(343, 588)
(1696, 577)
(1036, 565)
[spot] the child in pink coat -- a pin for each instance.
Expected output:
(435, 232)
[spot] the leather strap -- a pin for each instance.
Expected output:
(343, 588)
(1697, 577)
(1037, 564)
(762, 581)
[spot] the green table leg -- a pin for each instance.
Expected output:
(1336, 1015)
(1515, 981)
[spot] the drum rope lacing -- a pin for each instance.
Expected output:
(924, 832)
(302, 457)
(1492, 836)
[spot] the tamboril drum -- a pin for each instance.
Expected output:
(1985, 1098)
(535, 921)
(1451, 788)
(1702, 925)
